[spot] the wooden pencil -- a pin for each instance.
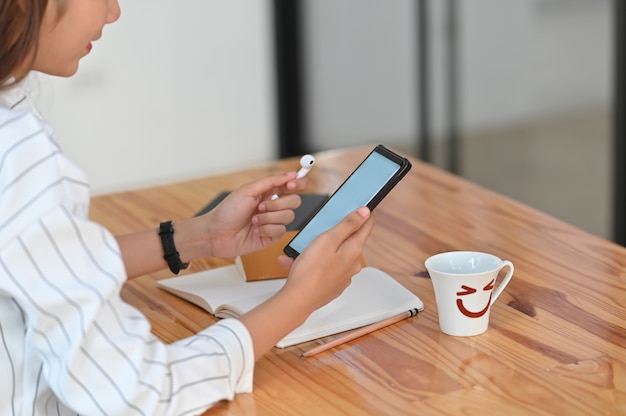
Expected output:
(360, 332)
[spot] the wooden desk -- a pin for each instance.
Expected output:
(557, 339)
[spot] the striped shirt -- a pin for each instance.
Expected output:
(68, 343)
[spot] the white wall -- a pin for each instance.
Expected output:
(173, 90)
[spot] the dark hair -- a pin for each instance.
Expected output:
(20, 21)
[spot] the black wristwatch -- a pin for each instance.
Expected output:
(170, 254)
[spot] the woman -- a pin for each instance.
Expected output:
(69, 343)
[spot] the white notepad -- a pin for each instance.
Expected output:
(372, 296)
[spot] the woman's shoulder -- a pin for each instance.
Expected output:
(19, 127)
(34, 172)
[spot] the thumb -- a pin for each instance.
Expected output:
(285, 261)
(350, 224)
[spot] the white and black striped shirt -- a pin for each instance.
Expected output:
(68, 343)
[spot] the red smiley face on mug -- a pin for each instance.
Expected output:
(467, 290)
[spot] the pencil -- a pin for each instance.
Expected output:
(360, 332)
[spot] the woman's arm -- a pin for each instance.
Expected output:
(247, 220)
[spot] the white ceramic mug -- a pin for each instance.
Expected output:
(465, 289)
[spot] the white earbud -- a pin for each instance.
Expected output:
(306, 163)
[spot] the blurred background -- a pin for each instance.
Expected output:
(516, 95)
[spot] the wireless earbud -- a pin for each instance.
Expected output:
(306, 163)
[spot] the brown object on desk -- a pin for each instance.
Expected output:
(556, 344)
(262, 264)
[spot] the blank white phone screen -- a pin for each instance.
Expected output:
(356, 192)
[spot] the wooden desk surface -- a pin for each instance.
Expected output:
(557, 338)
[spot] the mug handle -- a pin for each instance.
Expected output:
(505, 281)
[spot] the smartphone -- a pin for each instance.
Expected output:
(370, 182)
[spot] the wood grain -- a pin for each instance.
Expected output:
(557, 337)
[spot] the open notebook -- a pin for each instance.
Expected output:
(224, 292)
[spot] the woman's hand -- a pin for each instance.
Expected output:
(248, 219)
(326, 266)
(320, 273)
